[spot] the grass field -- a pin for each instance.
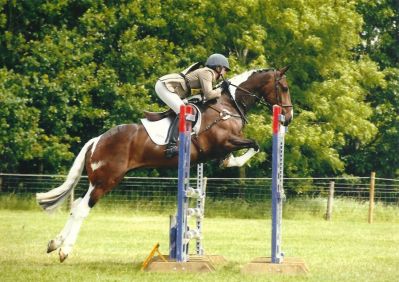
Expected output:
(112, 246)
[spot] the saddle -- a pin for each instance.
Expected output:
(157, 124)
(155, 116)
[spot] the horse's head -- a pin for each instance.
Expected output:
(270, 84)
(275, 91)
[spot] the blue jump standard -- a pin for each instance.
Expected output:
(183, 184)
(277, 263)
(179, 260)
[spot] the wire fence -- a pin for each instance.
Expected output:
(243, 197)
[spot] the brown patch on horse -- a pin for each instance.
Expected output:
(127, 147)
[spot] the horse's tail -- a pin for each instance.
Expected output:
(52, 199)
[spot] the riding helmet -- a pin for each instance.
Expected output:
(215, 60)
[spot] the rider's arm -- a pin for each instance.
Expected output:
(206, 77)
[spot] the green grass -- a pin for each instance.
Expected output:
(296, 208)
(113, 244)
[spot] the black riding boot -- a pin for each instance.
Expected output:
(173, 134)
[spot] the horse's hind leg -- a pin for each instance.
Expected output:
(79, 211)
(61, 237)
(73, 218)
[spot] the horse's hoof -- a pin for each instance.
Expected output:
(62, 256)
(52, 246)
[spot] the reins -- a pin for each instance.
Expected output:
(245, 120)
(248, 93)
(259, 99)
(223, 114)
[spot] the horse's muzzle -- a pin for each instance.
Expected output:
(289, 116)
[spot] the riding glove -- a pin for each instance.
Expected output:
(225, 85)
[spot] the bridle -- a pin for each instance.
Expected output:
(277, 82)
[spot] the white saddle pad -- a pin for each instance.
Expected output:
(158, 130)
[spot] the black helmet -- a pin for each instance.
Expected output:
(217, 60)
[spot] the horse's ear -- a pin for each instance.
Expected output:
(284, 69)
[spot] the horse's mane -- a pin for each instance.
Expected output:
(240, 78)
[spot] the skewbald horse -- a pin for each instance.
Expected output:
(108, 157)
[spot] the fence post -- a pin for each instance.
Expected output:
(371, 200)
(330, 201)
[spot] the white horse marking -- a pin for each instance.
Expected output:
(238, 79)
(93, 148)
(97, 165)
(79, 212)
(239, 161)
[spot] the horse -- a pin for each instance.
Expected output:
(108, 157)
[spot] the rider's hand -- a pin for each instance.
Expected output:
(225, 85)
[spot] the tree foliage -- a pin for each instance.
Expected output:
(72, 69)
(380, 41)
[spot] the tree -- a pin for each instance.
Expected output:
(380, 41)
(85, 66)
(328, 86)
(18, 121)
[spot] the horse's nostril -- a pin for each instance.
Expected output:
(288, 120)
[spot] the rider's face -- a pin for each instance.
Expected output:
(223, 72)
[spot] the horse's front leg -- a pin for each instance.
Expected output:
(238, 144)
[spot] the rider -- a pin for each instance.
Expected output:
(172, 88)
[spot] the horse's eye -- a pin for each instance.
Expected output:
(284, 88)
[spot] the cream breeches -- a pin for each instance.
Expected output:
(169, 98)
